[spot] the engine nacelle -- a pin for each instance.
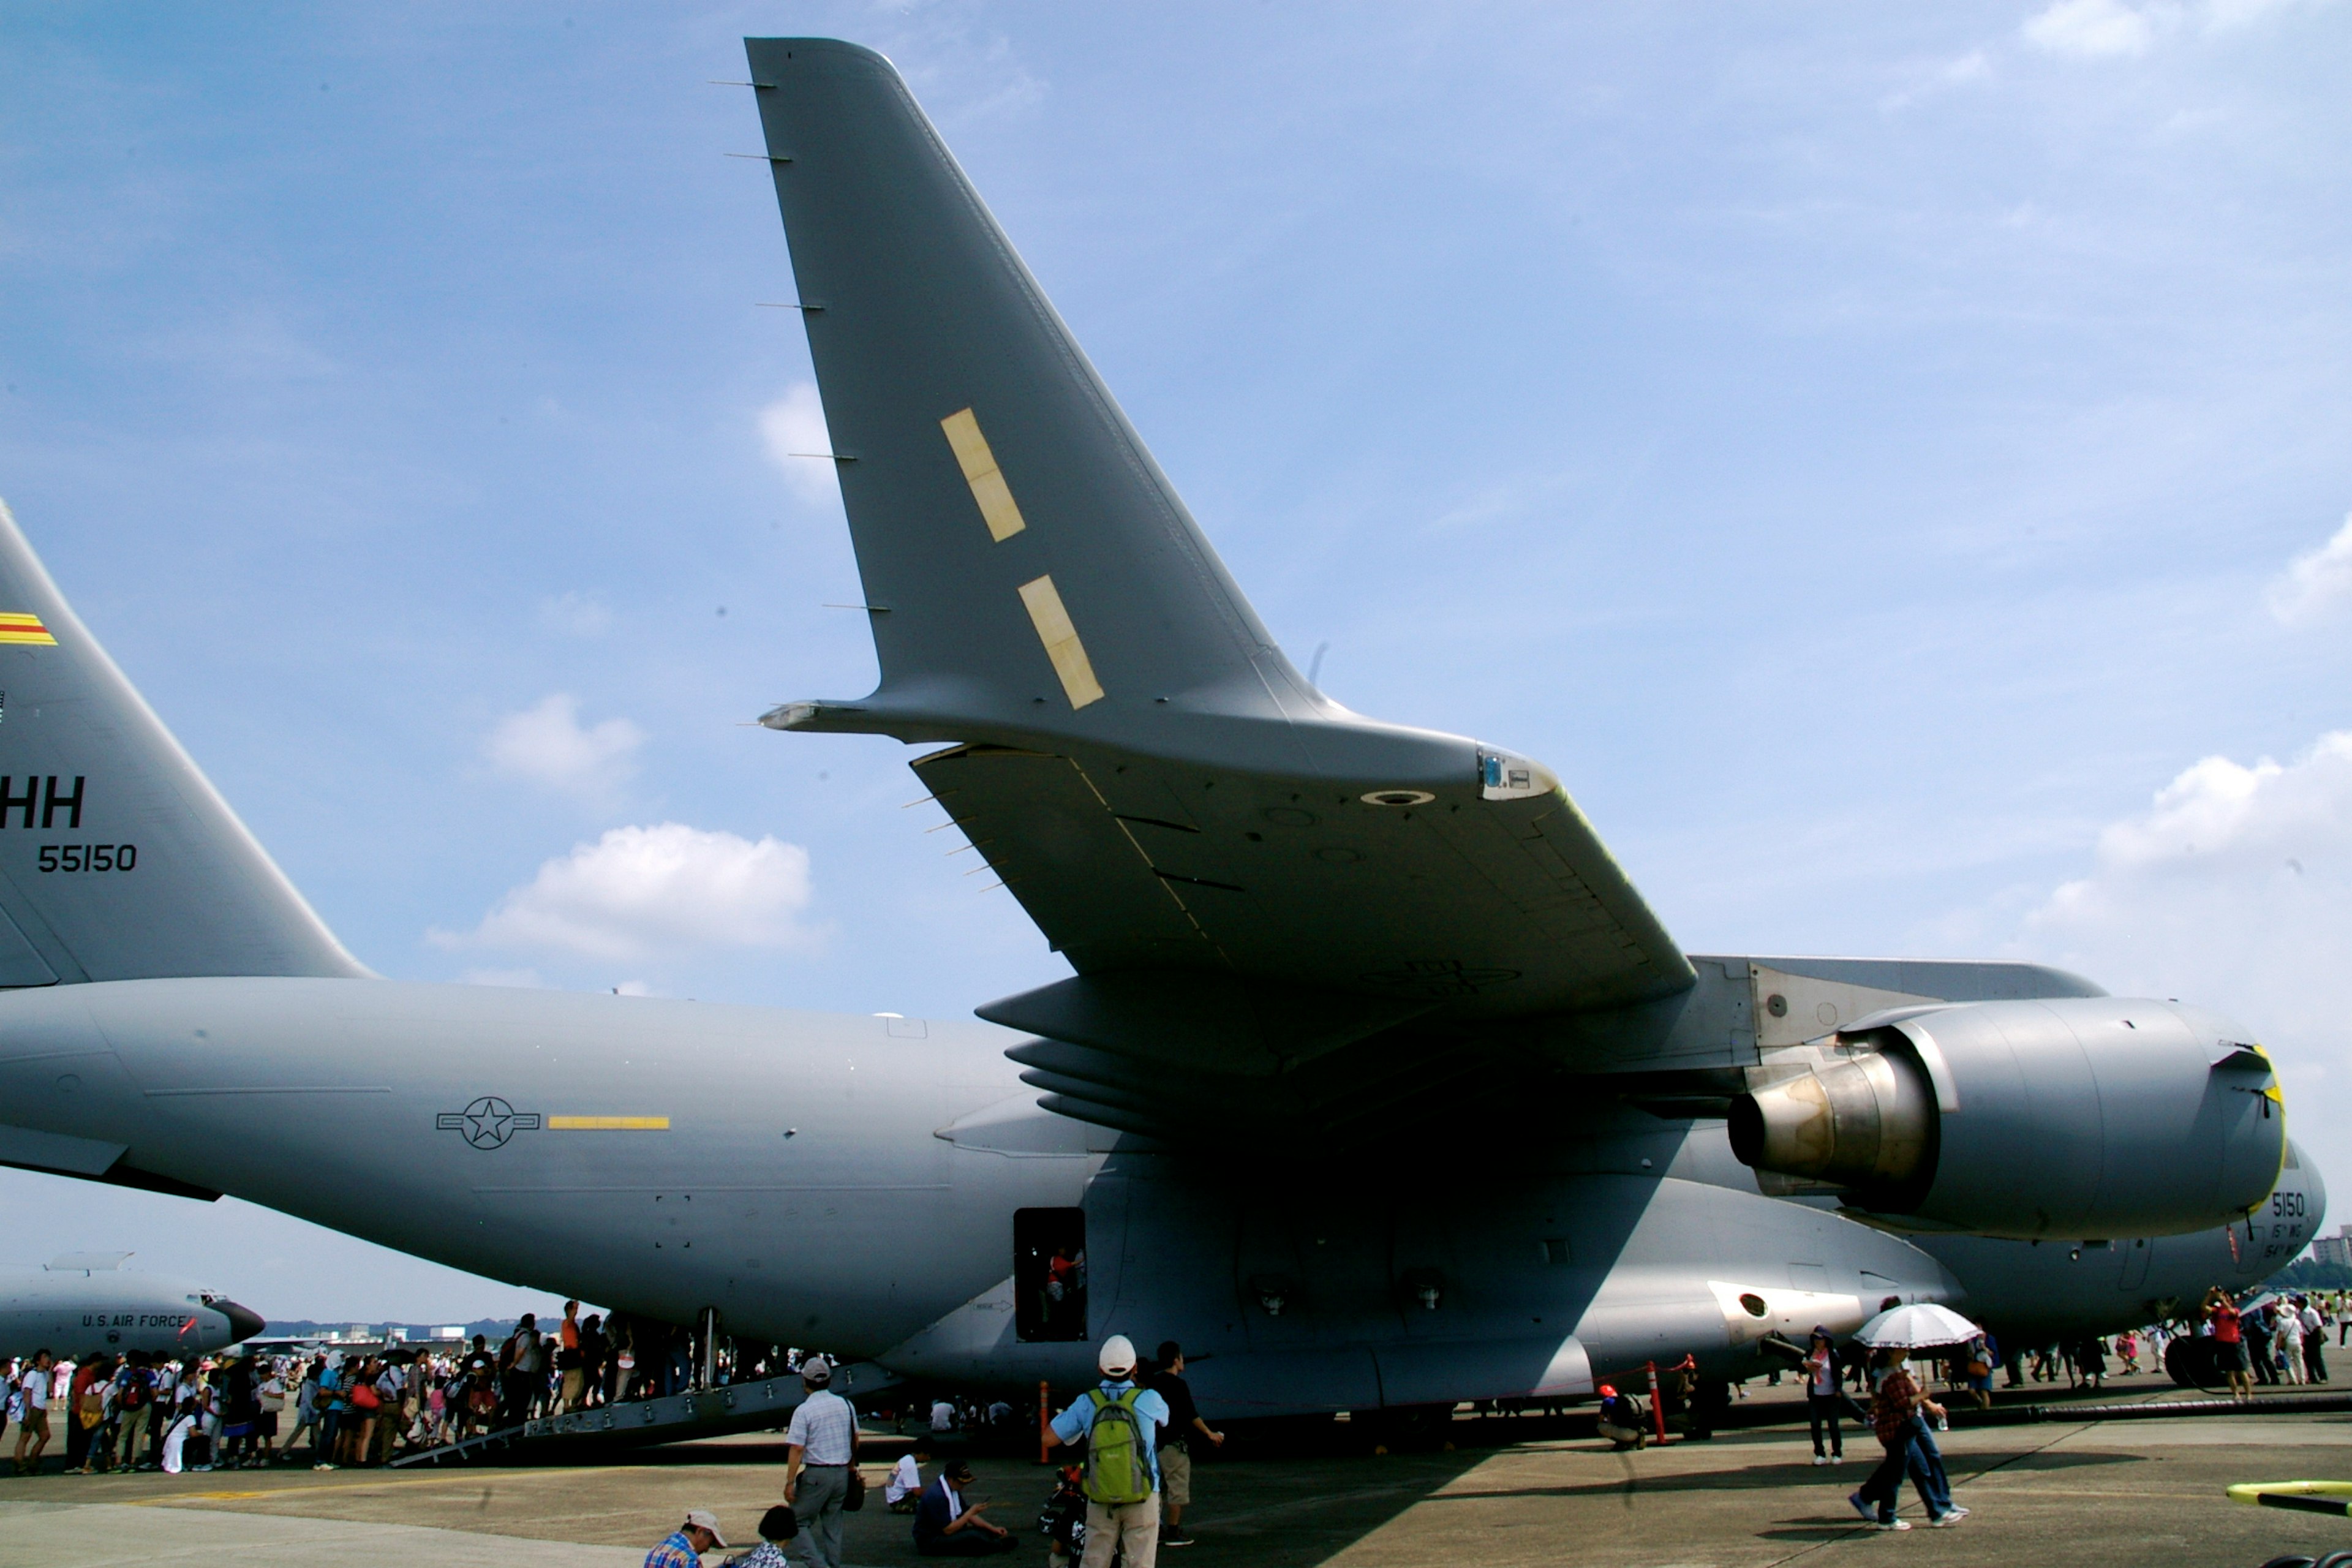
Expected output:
(2076, 1117)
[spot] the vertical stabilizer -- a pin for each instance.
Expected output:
(1028, 565)
(118, 859)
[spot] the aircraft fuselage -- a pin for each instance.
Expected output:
(854, 1182)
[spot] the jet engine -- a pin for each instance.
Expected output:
(2075, 1117)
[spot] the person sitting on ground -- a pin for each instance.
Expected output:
(684, 1547)
(1620, 1419)
(904, 1489)
(945, 1526)
(777, 1526)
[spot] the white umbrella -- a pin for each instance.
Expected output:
(1919, 1327)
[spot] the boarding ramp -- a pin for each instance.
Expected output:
(635, 1422)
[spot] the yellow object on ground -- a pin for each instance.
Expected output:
(2305, 1496)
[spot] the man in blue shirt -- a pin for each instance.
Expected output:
(1132, 1527)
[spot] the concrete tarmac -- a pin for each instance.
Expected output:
(2108, 1493)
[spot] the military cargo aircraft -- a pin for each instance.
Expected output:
(86, 1304)
(1376, 1082)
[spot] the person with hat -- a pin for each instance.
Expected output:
(821, 1446)
(947, 1526)
(776, 1527)
(1619, 1419)
(684, 1547)
(1118, 1422)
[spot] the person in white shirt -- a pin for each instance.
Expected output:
(820, 1446)
(35, 1385)
(2287, 1341)
(2314, 1340)
(905, 1487)
(1824, 1396)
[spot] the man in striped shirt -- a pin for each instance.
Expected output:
(821, 1446)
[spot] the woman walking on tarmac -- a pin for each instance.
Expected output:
(1895, 1415)
(1824, 1395)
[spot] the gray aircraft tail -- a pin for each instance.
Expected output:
(1028, 567)
(118, 860)
(1137, 761)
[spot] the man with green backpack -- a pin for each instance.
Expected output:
(1119, 1423)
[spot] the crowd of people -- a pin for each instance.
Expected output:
(364, 1406)
(2273, 1339)
(1125, 1498)
(329, 1409)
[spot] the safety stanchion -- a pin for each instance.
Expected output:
(1044, 1422)
(1657, 1406)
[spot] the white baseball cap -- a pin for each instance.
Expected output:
(1118, 1356)
(708, 1520)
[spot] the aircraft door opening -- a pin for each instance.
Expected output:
(1049, 1274)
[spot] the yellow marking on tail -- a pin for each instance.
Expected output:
(1061, 640)
(980, 472)
(16, 626)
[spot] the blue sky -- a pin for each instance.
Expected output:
(1885, 458)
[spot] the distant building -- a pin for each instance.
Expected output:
(2335, 1249)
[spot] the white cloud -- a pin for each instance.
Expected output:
(794, 423)
(1927, 79)
(646, 892)
(2097, 29)
(575, 614)
(2234, 890)
(2090, 30)
(2222, 15)
(2316, 581)
(547, 745)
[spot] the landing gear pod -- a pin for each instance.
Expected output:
(2087, 1116)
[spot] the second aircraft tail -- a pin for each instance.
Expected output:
(118, 859)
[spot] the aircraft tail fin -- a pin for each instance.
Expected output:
(118, 859)
(1027, 567)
